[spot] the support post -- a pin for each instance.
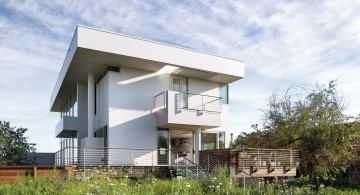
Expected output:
(197, 145)
(35, 172)
(91, 104)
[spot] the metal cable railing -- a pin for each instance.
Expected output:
(199, 102)
(189, 101)
(208, 162)
(100, 156)
(185, 168)
(160, 101)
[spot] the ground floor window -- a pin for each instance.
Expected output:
(211, 141)
(221, 140)
(208, 141)
(163, 146)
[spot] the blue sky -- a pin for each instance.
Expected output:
(283, 43)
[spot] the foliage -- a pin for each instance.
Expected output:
(101, 182)
(14, 146)
(311, 120)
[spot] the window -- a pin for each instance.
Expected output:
(163, 146)
(208, 141)
(224, 93)
(221, 140)
(70, 107)
(181, 85)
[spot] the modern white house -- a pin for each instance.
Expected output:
(122, 98)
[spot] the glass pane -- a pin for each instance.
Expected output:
(224, 93)
(208, 141)
(184, 87)
(176, 84)
(163, 147)
(221, 140)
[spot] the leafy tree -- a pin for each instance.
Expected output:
(14, 146)
(311, 120)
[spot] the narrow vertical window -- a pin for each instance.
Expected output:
(224, 93)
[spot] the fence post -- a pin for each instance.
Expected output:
(107, 150)
(243, 165)
(275, 161)
(35, 172)
(291, 159)
(197, 172)
(177, 164)
(84, 159)
(208, 168)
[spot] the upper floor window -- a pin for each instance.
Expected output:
(70, 108)
(224, 93)
(179, 84)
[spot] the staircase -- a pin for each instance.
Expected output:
(185, 168)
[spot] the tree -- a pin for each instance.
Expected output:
(14, 146)
(311, 120)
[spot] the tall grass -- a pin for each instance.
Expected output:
(98, 181)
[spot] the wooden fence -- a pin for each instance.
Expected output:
(11, 173)
(258, 162)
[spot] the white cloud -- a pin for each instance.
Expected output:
(283, 42)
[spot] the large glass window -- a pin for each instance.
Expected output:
(70, 107)
(224, 93)
(163, 147)
(208, 141)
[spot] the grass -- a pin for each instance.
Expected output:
(115, 182)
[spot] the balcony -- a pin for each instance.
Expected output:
(187, 110)
(66, 127)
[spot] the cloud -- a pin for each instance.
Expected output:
(282, 43)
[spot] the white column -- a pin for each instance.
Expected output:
(91, 104)
(197, 144)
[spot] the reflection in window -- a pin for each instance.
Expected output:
(221, 140)
(208, 141)
(70, 108)
(224, 94)
(163, 146)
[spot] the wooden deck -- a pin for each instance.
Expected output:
(258, 162)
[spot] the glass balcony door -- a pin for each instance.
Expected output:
(181, 85)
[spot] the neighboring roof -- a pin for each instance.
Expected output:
(91, 50)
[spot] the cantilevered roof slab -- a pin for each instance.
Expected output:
(91, 50)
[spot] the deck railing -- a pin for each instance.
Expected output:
(100, 156)
(189, 101)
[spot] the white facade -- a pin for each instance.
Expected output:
(117, 91)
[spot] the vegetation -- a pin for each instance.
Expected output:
(114, 182)
(14, 146)
(311, 120)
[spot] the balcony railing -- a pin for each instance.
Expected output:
(189, 101)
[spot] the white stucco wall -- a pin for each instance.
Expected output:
(102, 103)
(131, 100)
(82, 111)
(203, 87)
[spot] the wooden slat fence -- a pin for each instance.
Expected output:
(11, 173)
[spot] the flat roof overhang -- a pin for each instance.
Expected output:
(92, 50)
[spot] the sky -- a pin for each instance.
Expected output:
(282, 43)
